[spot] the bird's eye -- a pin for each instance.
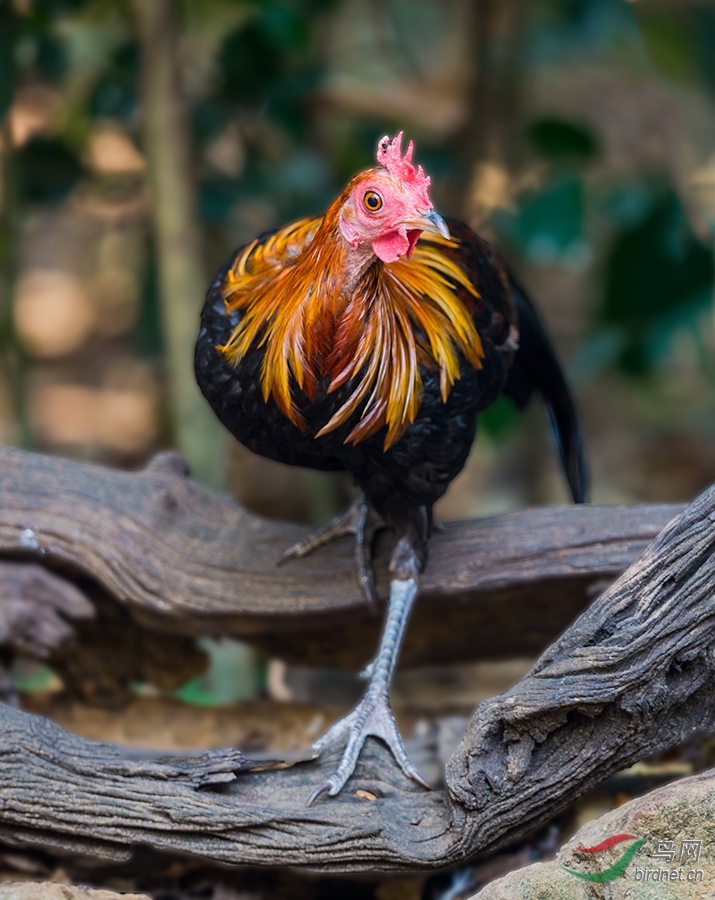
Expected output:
(372, 201)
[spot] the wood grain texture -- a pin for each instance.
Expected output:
(634, 674)
(59, 790)
(37, 609)
(181, 558)
(95, 645)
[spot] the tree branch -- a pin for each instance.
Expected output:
(633, 675)
(180, 558)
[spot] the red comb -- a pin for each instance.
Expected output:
(400, 167)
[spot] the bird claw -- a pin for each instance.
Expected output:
(317, 792)
(367, 671)
(371, 717)
(356, 521)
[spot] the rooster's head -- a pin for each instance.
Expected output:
(388, 207)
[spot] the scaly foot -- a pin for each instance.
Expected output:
(357, 520)
(372, 716)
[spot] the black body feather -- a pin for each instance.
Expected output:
(403, 482)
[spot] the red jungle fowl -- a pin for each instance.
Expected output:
(367, 340)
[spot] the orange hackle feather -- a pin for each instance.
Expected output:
(295, 292)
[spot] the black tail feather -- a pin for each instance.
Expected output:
(536, 368)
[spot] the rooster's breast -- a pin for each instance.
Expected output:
(420, 465)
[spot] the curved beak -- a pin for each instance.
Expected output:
(430, 221)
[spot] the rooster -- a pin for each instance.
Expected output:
(367, 341)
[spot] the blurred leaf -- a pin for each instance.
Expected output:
(653, 267)
(148, 333)
(116, 92)
(217, 196)
(269, 64)
(250, 65)
(557, 139)
(50, 55)
(656, 273)
(7, 56)
(578, 27)
(47, 170)
(353, 144)
(28, 676)
(549, 226)
(598, 352)
(686, 317)
(628, 204)
(500, 419)
(705, 40)
(55, 8)
(288, 29)
(209, 117)
(39, 45)
(670, 40)
(233, 675)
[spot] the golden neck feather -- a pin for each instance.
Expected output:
(320, 313)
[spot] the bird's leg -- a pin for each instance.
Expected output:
(358, 520)
(373, 716)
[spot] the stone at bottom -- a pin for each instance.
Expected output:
(657, 847)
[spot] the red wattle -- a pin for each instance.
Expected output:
(390, 247)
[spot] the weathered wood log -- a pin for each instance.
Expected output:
(36, 611)
(180, 558)
(633, 675)
(35, 607)
(97, 648)
(59, 790)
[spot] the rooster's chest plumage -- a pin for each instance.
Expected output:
(420, 465)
